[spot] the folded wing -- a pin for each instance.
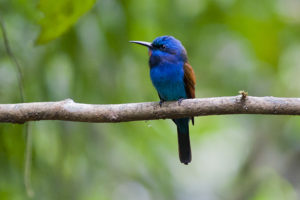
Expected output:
(189, 82)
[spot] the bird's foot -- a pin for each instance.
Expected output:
(180, 100)
(161, 102)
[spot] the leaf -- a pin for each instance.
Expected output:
(59, 16)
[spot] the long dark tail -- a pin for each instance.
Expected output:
(184, 147)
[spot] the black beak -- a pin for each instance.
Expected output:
(147, 44)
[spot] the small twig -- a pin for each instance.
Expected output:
(244, 94)
(14, 60)
(28, 151)
(28, 157)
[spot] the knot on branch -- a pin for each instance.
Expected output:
(243, 94)
(69, 100)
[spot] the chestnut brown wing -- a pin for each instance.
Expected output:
(189, 82)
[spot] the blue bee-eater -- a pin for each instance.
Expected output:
(174, 79)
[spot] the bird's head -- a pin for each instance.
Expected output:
(165, 48)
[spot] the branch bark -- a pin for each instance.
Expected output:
(68, 110)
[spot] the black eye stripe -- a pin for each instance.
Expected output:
(159, 46)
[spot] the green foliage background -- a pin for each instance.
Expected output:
(233, 45)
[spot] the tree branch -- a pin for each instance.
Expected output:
(68, 110)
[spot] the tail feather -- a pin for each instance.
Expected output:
(184, 147)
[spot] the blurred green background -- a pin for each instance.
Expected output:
(233, 45)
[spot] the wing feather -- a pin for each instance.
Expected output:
(189, 82)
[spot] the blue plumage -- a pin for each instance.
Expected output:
(166, 68)
(174, 79)
(167, 78)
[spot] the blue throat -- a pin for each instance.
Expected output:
(167, 75)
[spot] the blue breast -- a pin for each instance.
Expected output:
(167, 78)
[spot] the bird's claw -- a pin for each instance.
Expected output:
(180, 100)
(161, 102)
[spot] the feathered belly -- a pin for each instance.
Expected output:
(168, 82)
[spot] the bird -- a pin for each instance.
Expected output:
(174, 79)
